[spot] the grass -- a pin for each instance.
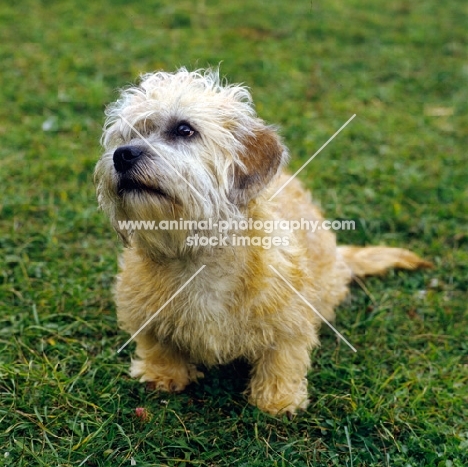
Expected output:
(399, 169)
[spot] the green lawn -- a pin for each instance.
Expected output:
(399, 169)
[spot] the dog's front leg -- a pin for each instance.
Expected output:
(162, 366)
(279, 383)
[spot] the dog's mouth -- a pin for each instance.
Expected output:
(127, 185)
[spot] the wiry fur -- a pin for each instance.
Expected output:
(237, 306)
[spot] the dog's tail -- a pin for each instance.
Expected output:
(376, 259)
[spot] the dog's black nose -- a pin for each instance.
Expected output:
(125, 157)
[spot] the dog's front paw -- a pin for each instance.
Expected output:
(283, 406)
(280, 399)
(164, 378)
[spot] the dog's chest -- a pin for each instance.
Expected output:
(206, 319)
(210, 318)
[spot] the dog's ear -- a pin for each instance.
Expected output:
(262, 157)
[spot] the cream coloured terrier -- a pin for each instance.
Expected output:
(185, 145)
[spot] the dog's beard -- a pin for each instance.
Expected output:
(148, 193)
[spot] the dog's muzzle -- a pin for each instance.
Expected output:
(125, 157)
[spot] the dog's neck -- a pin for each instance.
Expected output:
(179, 245)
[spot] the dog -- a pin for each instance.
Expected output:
(187, 145)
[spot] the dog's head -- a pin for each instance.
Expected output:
(184, 145)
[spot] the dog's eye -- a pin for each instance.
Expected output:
(184, 130)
